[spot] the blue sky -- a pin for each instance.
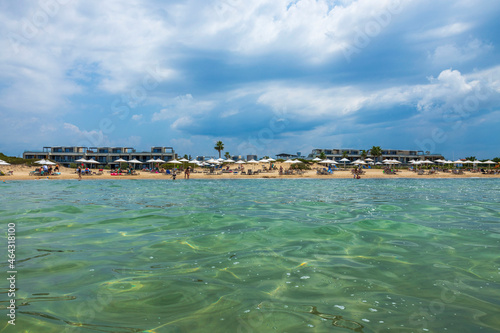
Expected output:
(265, 77)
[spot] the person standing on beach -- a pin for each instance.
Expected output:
(79, 172)
(174, 174)
(186, 173)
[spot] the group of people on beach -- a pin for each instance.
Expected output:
(47, 170)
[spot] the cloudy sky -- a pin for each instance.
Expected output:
(263, 76)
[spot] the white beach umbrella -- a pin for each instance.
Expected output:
(378, 163)
(489, 162)
(240, 162)
(211, 161)
(135, 161)
(263, 161)
(427, 162)
(221, 160)
(2, 162)
(316, 159)
(81, 160)
(271, 159)
(183, 160)
(151, 160)
(289, 161)
(345, 160)
(159, 160)
(42, 161)
(92, 161)
(49, 163)
(369, 160)
(359, 162)
(120, 160)
(229, 160)
(174, 162)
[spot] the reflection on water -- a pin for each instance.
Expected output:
(256, 255)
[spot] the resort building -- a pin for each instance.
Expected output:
(103, 155)
(403, 156)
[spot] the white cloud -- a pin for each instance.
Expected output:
(445, 31)
(137, 117)
(182, 106)
(452, 54)
(85, 138)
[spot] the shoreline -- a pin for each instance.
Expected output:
(22, 173)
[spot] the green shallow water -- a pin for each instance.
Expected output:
(338, 255)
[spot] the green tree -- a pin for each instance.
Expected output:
(471, 158)
(227, 155)
(364, 154)
(345, 154)
(219, 146)
(322, 155)
(376, 152)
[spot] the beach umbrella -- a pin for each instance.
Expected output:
(316, 159)
(271, 159)
(229, 161)
(359, 162)
(489, 162)
(264, 161)
(151, 160)
(369, 160)
(42, 161)
(221, 160)
(2, 162)
(240, 162)
(159, 160)
(289, 161)
(120, 160)
(378, 163)
(183, 160)
(135, 161)
(345, 160)
(92, 161)
(174, 161)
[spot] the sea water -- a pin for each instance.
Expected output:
(269, 255)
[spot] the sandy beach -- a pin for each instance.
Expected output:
(22, 173)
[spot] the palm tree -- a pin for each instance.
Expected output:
(227, 155)
(345, 154)
(322, 155)
(364, 154)
(219, 146)
(376, 151)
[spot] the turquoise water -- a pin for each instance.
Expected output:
(268, 255)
